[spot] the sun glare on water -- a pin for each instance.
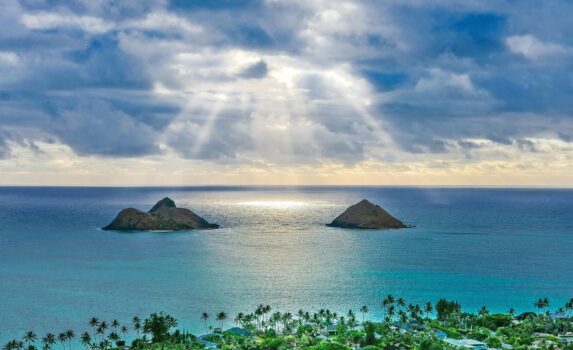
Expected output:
(278, 204)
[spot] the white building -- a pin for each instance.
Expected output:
(466, 344)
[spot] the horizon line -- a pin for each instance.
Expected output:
(563, 187)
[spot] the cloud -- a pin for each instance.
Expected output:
(9, 58)
(85, 127)
(286, 82)
(4, 150)
(256, 70)
(534, 49)
(50, 20)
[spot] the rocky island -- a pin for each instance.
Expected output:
(366, 215)
(164, 216)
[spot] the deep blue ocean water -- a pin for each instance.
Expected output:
(497, 247)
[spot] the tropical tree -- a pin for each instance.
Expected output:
(391, 313)
(364, 311)
(100, 331)
(428, 309)
(94, 322)
(86, 340)
(159, 326)
(205, 317)
(403, 316)
(14, 345)
(267, 309)
(221, 317)
(546, 302)
(30, 337)
(113, 337)
(48, 341)
(136, 321)
(286, 319)
(62, 338)
(259, 311)
(483, 312)
(239, 319)
(69, 336)
(569, 306)
(124, 331)
(445, 308)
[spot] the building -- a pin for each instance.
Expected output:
(466, 344)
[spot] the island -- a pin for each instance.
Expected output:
(164, 216)
(366, 215)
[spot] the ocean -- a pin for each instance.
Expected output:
(480, 246)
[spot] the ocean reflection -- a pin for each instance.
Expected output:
(274, 248)
(276, 204)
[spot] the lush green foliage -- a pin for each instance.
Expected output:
(404, 327)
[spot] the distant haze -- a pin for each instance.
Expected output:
(160, 92)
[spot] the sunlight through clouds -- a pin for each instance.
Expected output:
(280, 92)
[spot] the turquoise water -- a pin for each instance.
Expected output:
(497, 247)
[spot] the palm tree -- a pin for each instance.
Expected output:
(62, 338)
(287, 318)
(115, 324)
(171, 321)
(14, 345)
(124, 331)
(48, 341)
(104, 344)
(136, 324)
(259, 311)
(541, 304)
(30, 337)
(113, 337)
(364, 311)
(401, 302)
(205, 317)
(391, 313)
(94, 323)
(538, 304)
(101, 330)
(428, 309)
(545, 303)
(239, 319)
(11, 345)
(569, 306)
(69, 336)
(403, 316)
(274, 320)
(221, 317)
(350, 313)
(352, 322)
(388, 301)
(267, 309)
(86, 340)
(300, 316)
(483, 311)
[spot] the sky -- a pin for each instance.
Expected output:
(273, 92)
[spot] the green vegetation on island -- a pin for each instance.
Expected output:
(443, 325)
